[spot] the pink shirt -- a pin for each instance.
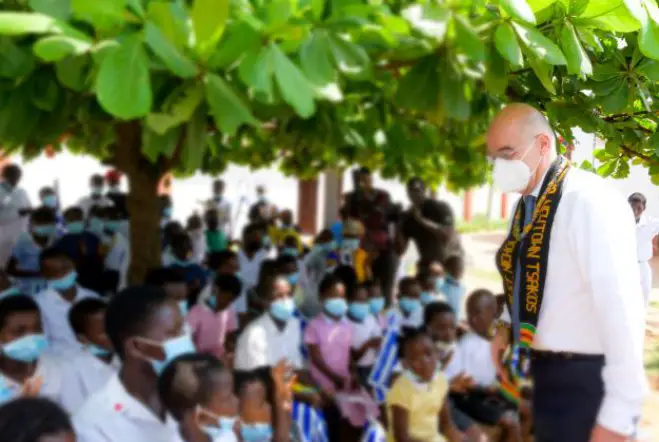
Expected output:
(210, 329)
(334, 339)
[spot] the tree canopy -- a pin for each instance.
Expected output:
(403, 86)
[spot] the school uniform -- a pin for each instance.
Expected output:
(118, 258)
(48, 369)
(363, 332)
(646, 229)
(55, 316)
(587, 352)
(113, 415)
(12, 224)
(26, 252)
(85, 374)
(250, 269)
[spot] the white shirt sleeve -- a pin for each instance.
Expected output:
(251, 350)
(603, 238)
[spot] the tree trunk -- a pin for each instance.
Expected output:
(142, 201)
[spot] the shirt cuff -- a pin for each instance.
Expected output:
(620, 417)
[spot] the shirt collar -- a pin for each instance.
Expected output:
(122, 402)
(329, 320)
(536, 191)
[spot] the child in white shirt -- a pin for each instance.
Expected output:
(367, 333)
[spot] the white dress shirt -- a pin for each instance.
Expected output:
(87, 202)
(55, 316)
(592, 301)
(263, 344)
(12, 224)
(223, 208)
(113, 415)
(363, 332)
(646, 229)
(250, 269)
(413, 320)
(85, 374)
(118, 258)
(48, 369)
(473, 357)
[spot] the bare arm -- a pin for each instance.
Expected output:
(448, 428)
(401, 240)
(400, 425)
(438, 229)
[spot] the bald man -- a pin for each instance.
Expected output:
(573, 291)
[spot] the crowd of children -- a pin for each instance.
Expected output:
(265, 338)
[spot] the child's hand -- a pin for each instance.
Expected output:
(462, 383)
(283, 380)
(32, 387)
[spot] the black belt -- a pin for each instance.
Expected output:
(564, 356)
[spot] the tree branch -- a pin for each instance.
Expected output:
(632, 153)
(615, 117)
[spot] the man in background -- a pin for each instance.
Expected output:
(14, 206)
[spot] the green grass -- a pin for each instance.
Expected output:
(480, 223)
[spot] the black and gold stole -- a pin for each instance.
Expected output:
(529, 246)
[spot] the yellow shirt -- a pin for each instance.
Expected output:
(278, 234)
(423, 403)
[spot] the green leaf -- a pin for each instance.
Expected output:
(195, 145)
(608, 15)
(351, 59)
(538, 5)
(588, 37)
(496, 75)
(468, 39)
(178, 63)
(293, 85)
(648, 39)
(239, 38)
(45, 93)
(102, 14)
(73, 72)
(172, 21)
(453, 94)
(315, 59)
(317, 8)
(577, 59)
(155, 145)
(209, 18)
(256, 71)
(137, 8)
(15, 61)
(542, 47)
(544, 72)
(519, 9)
(429, 19)
(228, 110)
(179, 109)
(618, 99)
(636, 9)
(58, 47)
(125, 99)
(24, 23)
(649, 68)
(607, 168)
(507, 45)
(59, 9)
(419, 88)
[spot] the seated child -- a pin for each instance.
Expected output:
(453, 288)
(117, 251)
(31, 419)
(409, 311)
(95, 219)
(416, 404)
(290, 247)
(440, 323)
(90, 369)
(23, 264)
(255, 412)
(430, 287)
(287, 265)
(329, 338)
(483, 401)
(367, 333)
(352, 251)
(212, 322)
(197, 389)
(173, 282)
(25, 367)
(377, 303)
(56, 301)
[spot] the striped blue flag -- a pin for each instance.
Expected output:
(309, 422)
(374, 432)
(303, 326)
(386, 360)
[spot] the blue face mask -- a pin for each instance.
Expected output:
(359, 310)
(409, 305)
(44, 230)
(75, 227)
(256, 432)
(64, 283)
(167, 212)
(97, 190)
(224, 426)
(336, 307)
(293, 278)
(183, 308)
(112, 226)
(50, 201)
(426, 298)
(376, 304)
(97, 350)
(11, 291)
(172, 348)
(289, 251)
(351, 244)
(439, 284)
(27, 349)
(282, 309)
(95, 224)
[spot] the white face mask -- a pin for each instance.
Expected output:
(512, 175)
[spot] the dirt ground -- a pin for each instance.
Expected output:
(481, 273)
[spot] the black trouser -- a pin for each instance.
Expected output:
(384, 269)
(567, 394)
